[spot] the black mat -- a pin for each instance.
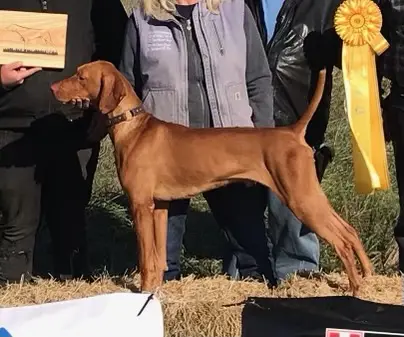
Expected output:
(309, 317)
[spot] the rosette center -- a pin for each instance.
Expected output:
(357, 21)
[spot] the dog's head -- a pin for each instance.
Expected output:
(99, 82)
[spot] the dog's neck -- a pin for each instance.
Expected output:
(125, 117)
(121, 114)
(128, 106)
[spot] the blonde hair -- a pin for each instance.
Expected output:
(157, 8)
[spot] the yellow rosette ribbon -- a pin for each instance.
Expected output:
(358, 23)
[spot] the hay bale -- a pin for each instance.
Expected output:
(207, 306)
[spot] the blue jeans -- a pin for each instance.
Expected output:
(294, 247)
(239, 211)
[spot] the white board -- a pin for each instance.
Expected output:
(99, 316)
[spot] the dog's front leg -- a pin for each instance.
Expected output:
(160, 234)
(142, 213)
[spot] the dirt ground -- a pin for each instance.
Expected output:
(208, 306)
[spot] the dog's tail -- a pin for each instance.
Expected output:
(301, 125)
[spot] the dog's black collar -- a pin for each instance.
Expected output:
(125, 116)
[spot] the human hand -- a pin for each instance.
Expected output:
(13, 74)
(80, 103)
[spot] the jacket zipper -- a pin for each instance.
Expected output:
(205, 118)
(44, 4)
(221, 49)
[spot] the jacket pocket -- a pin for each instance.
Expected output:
(240, 112)
(162, 103)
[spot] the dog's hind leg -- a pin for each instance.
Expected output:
(142, 212)
(317, 214)
(160, 233)
(358, 248)
(298, 185)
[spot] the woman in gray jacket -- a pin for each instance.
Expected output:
(202, 64)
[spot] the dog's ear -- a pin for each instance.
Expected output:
(110, 93)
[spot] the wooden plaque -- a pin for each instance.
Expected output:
(36, 39)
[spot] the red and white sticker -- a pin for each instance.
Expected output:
(343, 333)
(358, 333)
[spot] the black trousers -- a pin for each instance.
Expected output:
(393, 118)
(46, 172)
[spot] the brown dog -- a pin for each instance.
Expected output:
(158, 162)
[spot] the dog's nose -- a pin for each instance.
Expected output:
(55, 86)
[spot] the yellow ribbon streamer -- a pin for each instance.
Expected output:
(358, 23)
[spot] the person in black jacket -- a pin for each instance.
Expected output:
(49, 152)
(286, 27)
(391, 66)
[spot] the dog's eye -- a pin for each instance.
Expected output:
(81, 77)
